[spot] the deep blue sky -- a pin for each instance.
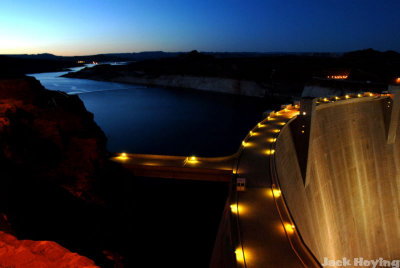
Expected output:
(77, 27)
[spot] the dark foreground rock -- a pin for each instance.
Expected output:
(26, 253)
(54, 180)
(49, 134)
(57, 185)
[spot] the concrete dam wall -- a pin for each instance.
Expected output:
(347, 204)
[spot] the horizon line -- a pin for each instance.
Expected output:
(216, 52)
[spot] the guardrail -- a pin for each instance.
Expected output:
(236, 229)
(296, 241)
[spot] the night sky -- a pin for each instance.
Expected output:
(78, 27)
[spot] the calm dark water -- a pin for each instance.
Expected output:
(138, 119)
(162, 223)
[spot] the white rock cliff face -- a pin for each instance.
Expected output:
(223, 85)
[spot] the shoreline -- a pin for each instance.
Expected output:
(201, 83)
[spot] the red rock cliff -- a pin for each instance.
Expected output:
(49, 133)
(50, 140)
(27, 253)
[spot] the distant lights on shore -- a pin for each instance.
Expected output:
(345, 76)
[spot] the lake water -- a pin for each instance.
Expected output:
(140, 119)
(162, 222)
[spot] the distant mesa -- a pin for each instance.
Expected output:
(260, 75)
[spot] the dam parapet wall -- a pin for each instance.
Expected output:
(322, 87)
(350, 205)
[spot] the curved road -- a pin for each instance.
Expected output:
(263, 236)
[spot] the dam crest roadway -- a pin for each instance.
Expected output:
(262, 232)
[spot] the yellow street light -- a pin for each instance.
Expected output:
(234, 208)
(276, 192)
(123, 156)
(289, 228)
(239, 255)
(192, 160)
(270, 152)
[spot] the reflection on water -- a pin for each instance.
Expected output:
(138, 119)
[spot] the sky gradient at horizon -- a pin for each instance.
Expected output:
(104, 26)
